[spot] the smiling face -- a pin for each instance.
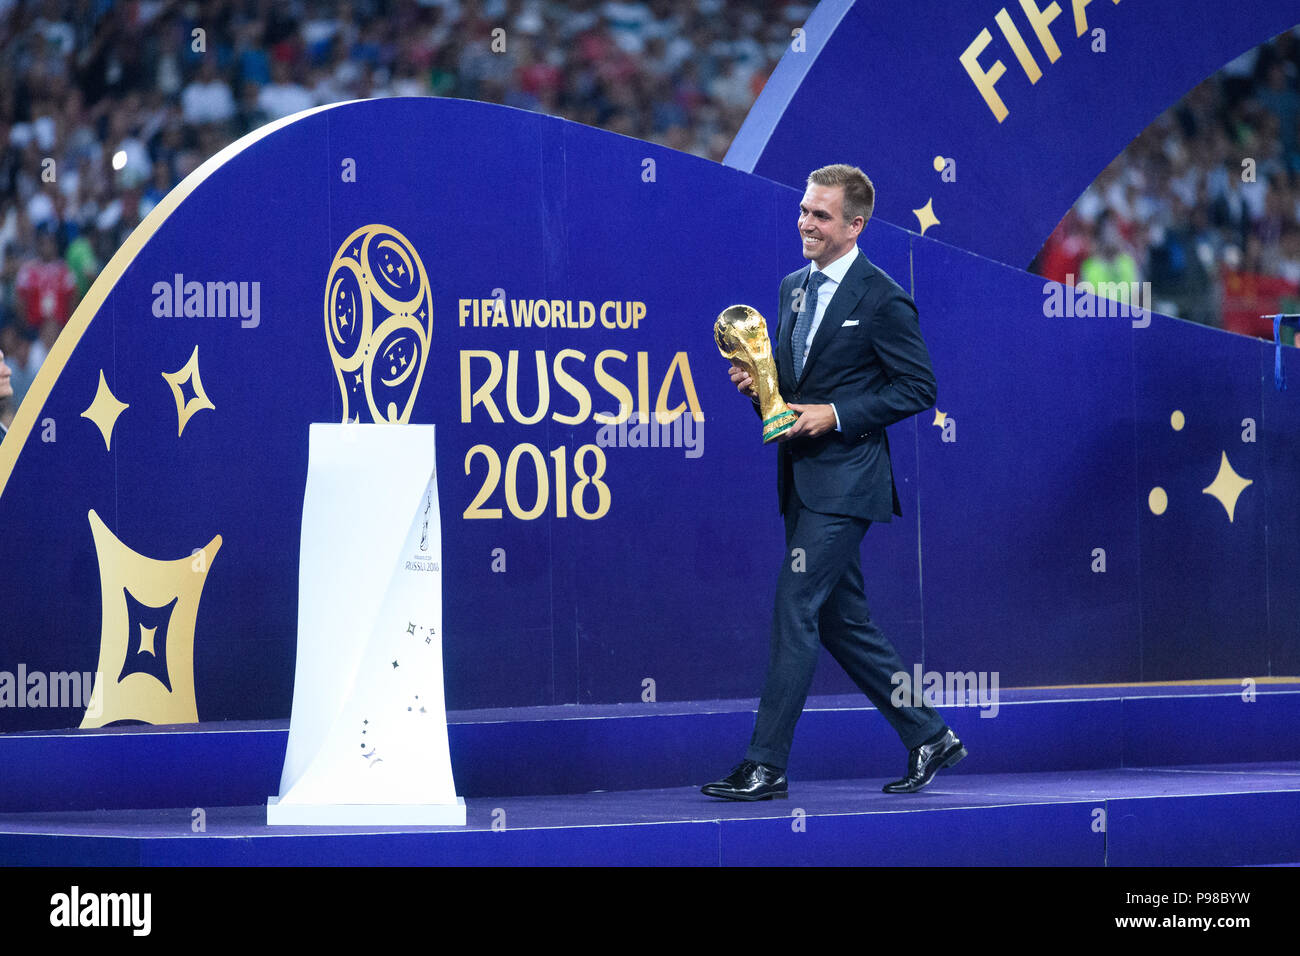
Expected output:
(825, 234)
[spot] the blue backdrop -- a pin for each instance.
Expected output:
(1059, 429)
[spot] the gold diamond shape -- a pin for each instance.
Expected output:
(103, 411)
(185, 410)
(1227, 486)
(925, 215)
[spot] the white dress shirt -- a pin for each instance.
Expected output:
(834, 273)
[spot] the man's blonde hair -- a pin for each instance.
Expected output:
(859, 194)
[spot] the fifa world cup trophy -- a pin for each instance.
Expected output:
(741, 334)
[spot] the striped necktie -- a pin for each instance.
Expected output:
(801, 326)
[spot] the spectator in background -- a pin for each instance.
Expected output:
(1180, 282)
(283, 97)
(1063, 253)
(81, 257)
(1111, 263)
(6, 398)
(1289, 266)
(253, 63)
(250, 114)
(24, 354)
(47, 289)
(1279, 97)
(208, 98)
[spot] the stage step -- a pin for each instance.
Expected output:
(542, 751)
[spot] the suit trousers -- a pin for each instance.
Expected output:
(820, 601)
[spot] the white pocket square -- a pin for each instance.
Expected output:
(850, 322)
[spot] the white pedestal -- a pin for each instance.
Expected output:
(368, 731)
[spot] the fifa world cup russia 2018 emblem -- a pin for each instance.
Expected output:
(378, 318)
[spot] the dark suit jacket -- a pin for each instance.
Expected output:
(868, 358)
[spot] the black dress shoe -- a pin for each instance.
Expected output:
(925, 761)
(750, 780)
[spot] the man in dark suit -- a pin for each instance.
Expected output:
(850, 361)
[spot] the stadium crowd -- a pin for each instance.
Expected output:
(1205, 203)
(104, 106)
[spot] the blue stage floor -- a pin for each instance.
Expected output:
(1206, 815)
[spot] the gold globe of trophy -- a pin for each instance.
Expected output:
(741, 335)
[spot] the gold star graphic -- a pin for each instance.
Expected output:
(939, 418)
(185, 410)
(925, 215)
(1227, 486)
(103, 411)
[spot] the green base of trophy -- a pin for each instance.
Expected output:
(778, 425)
